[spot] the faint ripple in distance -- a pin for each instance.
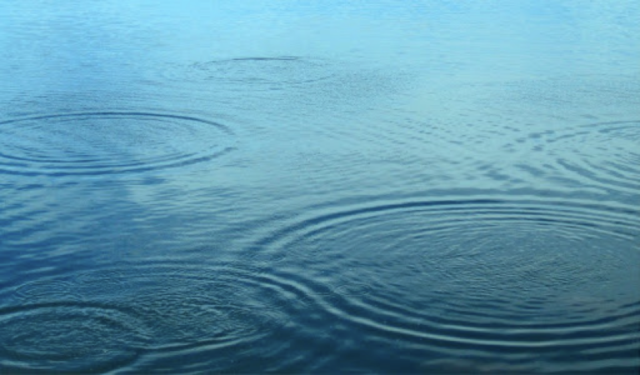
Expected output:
(99, 143)
(69, 337)
(513, 280)
(257, 73)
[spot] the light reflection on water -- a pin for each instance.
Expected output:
(320, 187)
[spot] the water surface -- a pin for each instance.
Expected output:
(320, 187)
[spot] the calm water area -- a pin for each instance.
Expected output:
(288, 186)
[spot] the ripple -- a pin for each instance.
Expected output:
(69, 337)
(102, 282)
(99, 143)
(259, 73)
(605, 153)
(222, 312)
(41, 291)
(211, 306)
(502, 278)
(183, 320)
(353, 289)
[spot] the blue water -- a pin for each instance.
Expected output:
(320, 187)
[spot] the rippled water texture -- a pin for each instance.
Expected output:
(320, 187)
(107, 143)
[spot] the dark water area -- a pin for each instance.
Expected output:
(320, 187)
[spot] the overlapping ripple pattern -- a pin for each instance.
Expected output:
(611, 164)
(373, 187)
(470, 277)
(70, 337)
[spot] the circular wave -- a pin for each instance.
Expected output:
(99, 143)
(210, 306)
(228, 312)
(41, 291)
(69, 337)
(102, 283)
(516, 279)
(266, 73)
(225, 313)
(607, 153)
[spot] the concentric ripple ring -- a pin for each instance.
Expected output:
(191, 305)
(109, 142)
(69, 336)
(256, 73)
(513, 278)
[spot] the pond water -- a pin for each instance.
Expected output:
(318, 187)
